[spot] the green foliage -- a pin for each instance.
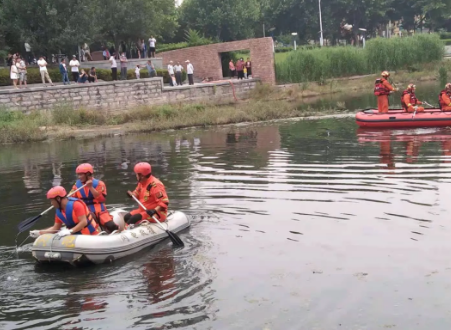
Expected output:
(445, 35)
(34, 77)
(443, 75)
(379, 54)
(194, 38)
(223, 20)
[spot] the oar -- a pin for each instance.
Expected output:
(174, 238)
(28, 223)
(428, 104)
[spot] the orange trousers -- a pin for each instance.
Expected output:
(382, 103)
(412, 109)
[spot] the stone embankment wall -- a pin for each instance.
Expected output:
(122, 95)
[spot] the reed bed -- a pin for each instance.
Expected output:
(379, 54)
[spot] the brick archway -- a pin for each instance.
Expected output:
(207, 63)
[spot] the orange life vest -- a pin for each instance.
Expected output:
(70, 220)
(440, 98)
(380, 88)
(413, 99)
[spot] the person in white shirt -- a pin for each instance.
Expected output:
(113, 66)
(74, 64)
(43, 70)
(178, 73)
(152, 43)
(137, 71)
(190, 72)
(171, 74)
(14, 73)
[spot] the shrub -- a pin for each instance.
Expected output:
(283, 49)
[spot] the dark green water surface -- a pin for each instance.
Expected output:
(295, 225)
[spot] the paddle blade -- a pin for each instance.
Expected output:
(28, 223)
(175, 239)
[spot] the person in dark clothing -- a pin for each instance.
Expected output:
(239, 68)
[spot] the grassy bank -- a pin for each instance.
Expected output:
(320, 64)
(63, 121)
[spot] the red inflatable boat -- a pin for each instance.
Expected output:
(397, 118)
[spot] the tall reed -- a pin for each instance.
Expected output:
(379, 54)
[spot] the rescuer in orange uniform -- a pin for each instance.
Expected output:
(382, 88)
(444, 98)
(93, 195)
(71, 212)
(151, 193)
(409, 101)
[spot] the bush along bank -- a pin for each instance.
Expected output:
(379, 54)
(34, 77)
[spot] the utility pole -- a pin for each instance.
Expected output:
(321, 40)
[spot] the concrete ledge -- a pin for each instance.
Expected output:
(118, 96)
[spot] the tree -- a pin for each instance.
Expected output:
(130, 20)
(222, 20)
(48, 25)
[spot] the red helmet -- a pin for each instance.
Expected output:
(57, 191)
(84, 168)
(143, 169)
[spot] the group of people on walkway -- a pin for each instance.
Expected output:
(241, 69)
(176, 73)
(409, 101)
(84, 211)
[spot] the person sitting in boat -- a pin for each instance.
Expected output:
(94, 196)
(71, 212)
(444, 98)
(151, 193)
(409, 101)
(382, 89)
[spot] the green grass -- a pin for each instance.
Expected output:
(379, 54)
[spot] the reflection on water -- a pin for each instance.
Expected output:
(300, 225)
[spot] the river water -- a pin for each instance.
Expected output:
(295, 225)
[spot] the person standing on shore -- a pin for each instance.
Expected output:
(113, 66)
(382, 89)
(239, 68)
(74, 64)
(152, 46)
(63, 71)
(190, 72)
(14, 73)
(249, 67)
(43, 70)
(124, 61)
(22, 71)
(171, 74)
(232, 69)
(151, 69)
(178, 74)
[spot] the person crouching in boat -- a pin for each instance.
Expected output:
(409, 101)
(151, 193)
(382, 89)
(94, 196)
(71, 212)
(444, 98)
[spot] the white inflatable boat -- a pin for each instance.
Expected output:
(104, 248)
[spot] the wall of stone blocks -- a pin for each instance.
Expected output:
(121, 95)
(207, 60)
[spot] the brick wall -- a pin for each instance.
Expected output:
(207, 59)
(121, 95)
